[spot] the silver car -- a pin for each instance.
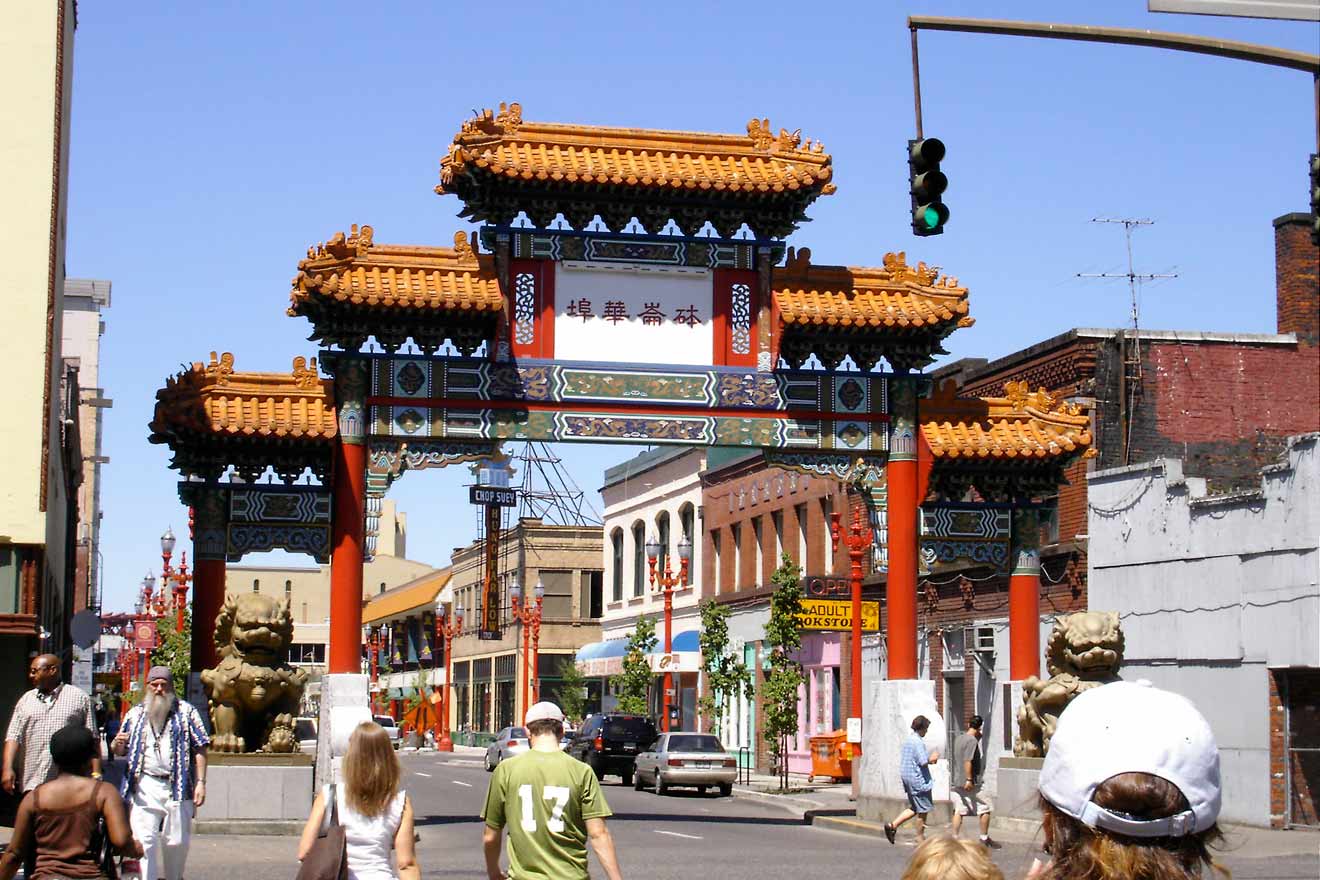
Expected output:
(692, 759)
(509, 742)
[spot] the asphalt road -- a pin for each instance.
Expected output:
(677, 837)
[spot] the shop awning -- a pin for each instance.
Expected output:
(606, 658)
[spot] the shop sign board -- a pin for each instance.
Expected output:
(835, 615)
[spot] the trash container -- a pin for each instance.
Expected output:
(831, 756)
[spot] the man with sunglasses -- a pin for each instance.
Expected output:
(50, 706)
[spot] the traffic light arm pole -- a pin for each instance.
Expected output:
(1121, 36)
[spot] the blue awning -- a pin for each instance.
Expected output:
(688, 640)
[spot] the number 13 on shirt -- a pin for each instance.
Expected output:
(557, 793)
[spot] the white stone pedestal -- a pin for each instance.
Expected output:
(256, 793)
(893, 705)
(345, 703)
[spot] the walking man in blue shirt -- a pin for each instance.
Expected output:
(914, 769)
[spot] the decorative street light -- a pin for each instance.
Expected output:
(858, 540)
(181, 578)
(529, 615)
(448, 630)
(667, 581)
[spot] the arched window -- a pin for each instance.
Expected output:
(256, 585)
(616, 582)
(687, 529)
(662, 531)
(288, 590)
(639, 557)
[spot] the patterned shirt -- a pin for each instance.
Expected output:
(913, 764)
(186, 735)
(35, 720)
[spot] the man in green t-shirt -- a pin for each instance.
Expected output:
(552, 805)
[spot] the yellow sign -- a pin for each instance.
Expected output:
(836, 615)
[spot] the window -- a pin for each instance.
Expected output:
(304, 612)
(256, 585)
(590, 605)
(777, 522)
(735, 534)
(759, 561)
(662, 528)
(382, 586)
(687, 525)
(558, 601)
(720, 584)
(802, 535)
(639, 558)
(827, 508)
(288, 590)
(616, 576)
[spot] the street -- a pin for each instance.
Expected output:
(675, 837)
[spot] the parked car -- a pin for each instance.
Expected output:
(691, 759)
(509, 742)
(304, 730)
(609, 743)
(390, 726)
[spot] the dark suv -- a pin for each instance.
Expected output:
(610, 743)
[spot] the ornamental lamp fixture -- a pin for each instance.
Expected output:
(167, 541)
(685, 548)
(515, 592)
(653, 547)
(539, 591)
(458, 612)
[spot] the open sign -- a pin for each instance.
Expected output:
(826, 587)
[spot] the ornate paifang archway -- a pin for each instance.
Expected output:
(637, 330)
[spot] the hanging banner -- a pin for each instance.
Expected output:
(428, 632)
(396, 644)
(834, 615)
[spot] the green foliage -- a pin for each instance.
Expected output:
(174, 649)
(572, 692)
(727, 676)
(779, 693)
(633, 685)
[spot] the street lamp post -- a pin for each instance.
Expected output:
(179, 577)
(447, 629)
(529, 615)
(858, 539)
(666, 581)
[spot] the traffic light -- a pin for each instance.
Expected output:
(1315, 198)
(927, 183)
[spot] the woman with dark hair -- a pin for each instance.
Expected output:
(60, 819)
(1130, 788)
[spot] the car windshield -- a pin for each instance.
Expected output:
(384, 721)
(517, 733)
(632, 729)
(695, 743)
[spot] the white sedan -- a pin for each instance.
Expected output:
(692, 759)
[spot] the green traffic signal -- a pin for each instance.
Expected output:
(926, 184)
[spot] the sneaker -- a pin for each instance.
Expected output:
(890, 832)
(990, 843)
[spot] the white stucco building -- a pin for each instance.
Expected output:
(1219, 598)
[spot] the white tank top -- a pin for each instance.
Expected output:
(370, 838)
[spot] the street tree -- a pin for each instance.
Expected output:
(779, 693)
(174, 650)
(727, 677)
(572, 692)
(633, 685)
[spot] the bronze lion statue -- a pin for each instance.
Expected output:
(1084, 651)
(253, 692)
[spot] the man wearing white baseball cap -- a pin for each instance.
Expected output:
(1130, 787)
(552, 805)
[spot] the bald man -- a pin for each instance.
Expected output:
(48, 707)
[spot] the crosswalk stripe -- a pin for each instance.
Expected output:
(677, 834)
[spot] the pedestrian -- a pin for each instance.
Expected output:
(914, 769)
(50, 706)
(552, 805)
(948, 858)
(968, 774)
(376, 815)
(1130, 787)
(165, 781)
(58, 822)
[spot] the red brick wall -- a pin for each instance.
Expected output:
(1297, 279)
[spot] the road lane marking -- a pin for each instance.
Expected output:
(677, 834)
(464, 784)
(420, 773)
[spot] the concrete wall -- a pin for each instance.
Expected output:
(1213, 591)
(84, 300)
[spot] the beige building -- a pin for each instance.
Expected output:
(307, 588)
(488, 673)
(40, 458)
(84, 300)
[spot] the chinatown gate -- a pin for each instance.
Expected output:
(625, 286)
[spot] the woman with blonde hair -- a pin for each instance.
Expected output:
(1130, 788)
(376, 816)
(948, 858)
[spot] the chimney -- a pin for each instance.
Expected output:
(1297, 278)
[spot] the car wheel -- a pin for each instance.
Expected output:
(661, 787)
(489, 767)
(726, 789)
(637, 781)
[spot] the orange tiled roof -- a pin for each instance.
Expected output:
(354, 269)
(1023, 425)
(758, 162)
(895, 296)
(419, 594)
(214, 399)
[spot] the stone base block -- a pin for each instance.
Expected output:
(1019, 783)
(345, 703)
(255, 792)
(888, 722)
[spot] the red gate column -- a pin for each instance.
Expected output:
(1024, 596)
(901, 582)
(210, 520)
(346, 533)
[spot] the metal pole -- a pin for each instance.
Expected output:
(916, 79)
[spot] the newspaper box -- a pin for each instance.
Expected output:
(831, 756)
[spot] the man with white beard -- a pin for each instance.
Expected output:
(166, 778)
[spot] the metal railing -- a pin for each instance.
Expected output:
(744, 765)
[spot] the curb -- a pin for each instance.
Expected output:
(797, 805)
(257, 827)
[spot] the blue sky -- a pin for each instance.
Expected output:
(212, 143)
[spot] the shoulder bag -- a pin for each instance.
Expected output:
(328, 858)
